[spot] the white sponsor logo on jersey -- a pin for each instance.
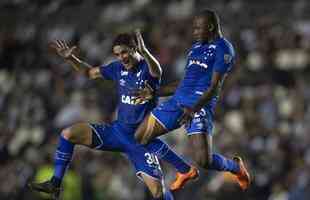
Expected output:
(130, 100)
(122, 82)
(197, 62)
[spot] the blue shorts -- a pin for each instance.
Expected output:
(114, 138)
(169, 112)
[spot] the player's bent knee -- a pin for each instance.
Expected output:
(66, 133)
(71, 136)
(78, 134)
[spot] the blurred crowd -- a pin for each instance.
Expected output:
(264, 113)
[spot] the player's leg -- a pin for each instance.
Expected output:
(202, 143)
(147, 167)
(149, 129)
(153, 185)
(185, 171)
(164, 152)
(162, 119)
(80, 133)
(156, 188)
(214, 161)
(77, 134)
(200, 136)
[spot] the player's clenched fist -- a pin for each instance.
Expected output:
(144, 94)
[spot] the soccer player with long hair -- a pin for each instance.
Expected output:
(134, 68)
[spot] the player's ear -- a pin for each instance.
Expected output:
(211, 27)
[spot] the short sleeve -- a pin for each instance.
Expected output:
(224, 60)
(109, 71)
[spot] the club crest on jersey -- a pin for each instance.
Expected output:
(131, 100)
(197, 62)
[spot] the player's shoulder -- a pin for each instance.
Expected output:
(225, 45)
(225, 50)
(196, 45)
(114, 64)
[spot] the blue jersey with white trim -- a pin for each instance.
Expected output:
(129, 112)
(203, 59)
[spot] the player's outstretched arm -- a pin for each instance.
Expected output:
(67, 53)
(153, 64)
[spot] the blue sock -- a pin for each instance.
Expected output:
(220, 163)
(62, 159)
(168, 195)
(163, 151)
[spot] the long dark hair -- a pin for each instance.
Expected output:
(125, 39)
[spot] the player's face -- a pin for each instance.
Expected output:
(124, 54)
(200, 29)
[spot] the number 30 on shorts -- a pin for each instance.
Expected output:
(151, 159)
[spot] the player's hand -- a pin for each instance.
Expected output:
(140, 42)
(144, 94)
(62, 49)
(187, 116)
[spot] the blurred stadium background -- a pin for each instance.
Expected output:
(264, 115)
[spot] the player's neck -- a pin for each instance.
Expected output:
(214, 36)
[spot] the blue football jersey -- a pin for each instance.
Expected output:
(202, 61)
(129, 112)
